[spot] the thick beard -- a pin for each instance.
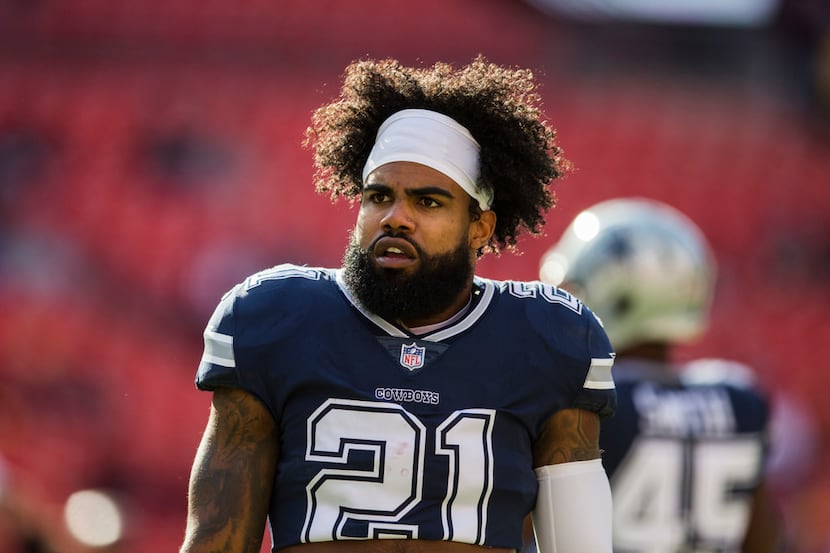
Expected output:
(397, 295)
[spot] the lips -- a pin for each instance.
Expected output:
(394, 252)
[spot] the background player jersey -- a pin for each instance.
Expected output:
(388, 435)
(684, 455)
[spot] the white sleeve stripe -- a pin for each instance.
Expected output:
(224, 338)
(599, 375)
(593, 385)
(221, 361)
(219, 349)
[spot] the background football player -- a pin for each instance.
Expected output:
(687, 448)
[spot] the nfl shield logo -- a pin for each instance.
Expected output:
(412, 356)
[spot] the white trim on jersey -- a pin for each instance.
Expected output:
(463, 324)
(488, 290)
(390, 329)
(218, 349)
(599, 374)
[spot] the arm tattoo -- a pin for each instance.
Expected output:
(569, 435)
(233, 475)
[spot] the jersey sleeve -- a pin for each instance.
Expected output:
(580, 354)
(217, 367)
(248, 328)
(598, 391)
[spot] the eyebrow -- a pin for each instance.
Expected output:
(419, 191)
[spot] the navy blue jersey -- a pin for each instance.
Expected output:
(389, 435)
(684, 455)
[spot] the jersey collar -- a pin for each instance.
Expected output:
(483, 292)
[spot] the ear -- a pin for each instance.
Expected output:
(482, 229)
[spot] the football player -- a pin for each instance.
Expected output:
(687, 448)
(400, 402)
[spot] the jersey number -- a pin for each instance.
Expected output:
(393, 440)
(671, 492)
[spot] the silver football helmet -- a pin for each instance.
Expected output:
(642, 266)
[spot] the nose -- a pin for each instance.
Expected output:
(397, 217)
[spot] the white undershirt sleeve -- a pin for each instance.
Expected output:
(573, 508)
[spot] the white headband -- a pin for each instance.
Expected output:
(434, 140)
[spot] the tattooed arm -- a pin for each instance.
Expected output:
(232, 476)
(573, 504)
(569, 435)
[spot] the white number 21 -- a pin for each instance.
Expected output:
(395, 442)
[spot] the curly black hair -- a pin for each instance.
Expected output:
(499, 105)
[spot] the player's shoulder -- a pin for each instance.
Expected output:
(270, 294)
(549, 306)
(739, 378)
(750, 400)
(280, 279)
(718, 371)
(558, 316)
(285, 284)
(538, 297)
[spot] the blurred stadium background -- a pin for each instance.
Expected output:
(150, 157)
